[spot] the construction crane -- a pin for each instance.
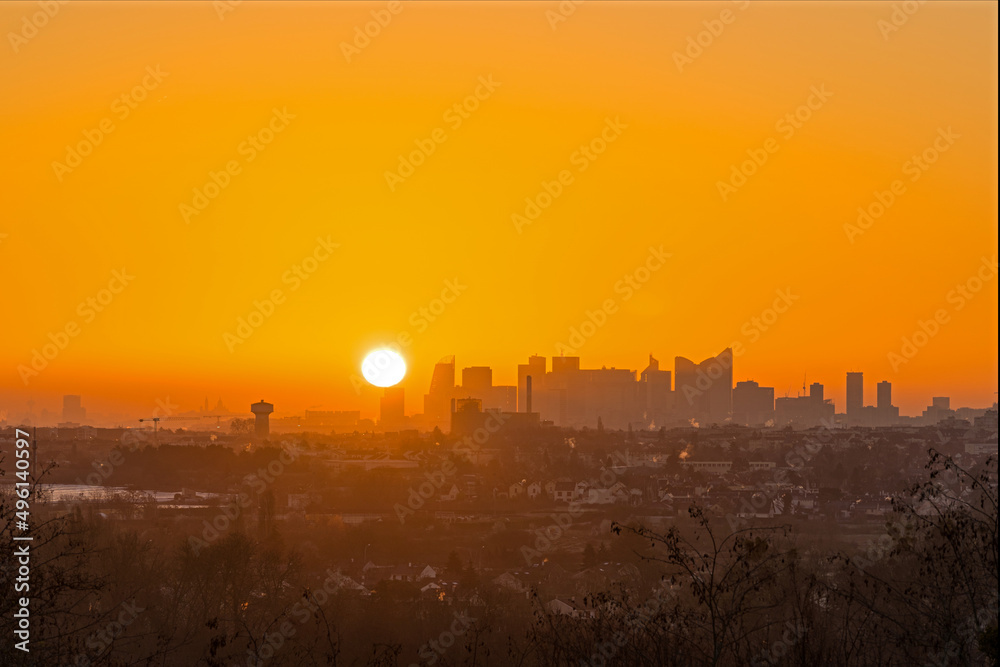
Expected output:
(156, 421)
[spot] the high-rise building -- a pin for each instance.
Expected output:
(391, 408)
(262, 427)
(477, 378)
(941, 402)
(575, 397)
(855, 397)
(886, 414)
(535, 368)
(477, 382)
(883, 395)
(656, 394)
(502, 398)
(704, 392)
(73, 410)
(565, 364)
(753, 405)
(437, 401)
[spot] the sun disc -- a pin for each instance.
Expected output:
(383, 368)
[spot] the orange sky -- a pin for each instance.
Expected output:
(886, 95)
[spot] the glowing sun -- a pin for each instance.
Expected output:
(383, 368)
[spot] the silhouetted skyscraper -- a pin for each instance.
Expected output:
(477, 382)
(704, 392)
(437, 401)
(816, 392)
(536, 368)
(73, 410)
(753, 405)
(855, 397)
(575, 397)
(656, 393)
(886, 414)
(565, 364)
(391, 411)
(477, 379)
(883, 395)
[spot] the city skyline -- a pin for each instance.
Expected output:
(662, 397)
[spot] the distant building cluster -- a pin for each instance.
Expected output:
(561, 393)
(73, 412)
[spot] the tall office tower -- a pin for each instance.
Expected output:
(883, 395)
(391, 408)
(613, 394)
(855, 397)
(752, 404)
(704, 391)
(573, 397)
(73, 410)
(816, 392)
(437, 401)
(656, 393)
(941, 402)
(477, 380)
(536, 369)
(565, 364)
(886, 413)
(262, 427)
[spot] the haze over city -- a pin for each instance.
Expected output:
(479, 334)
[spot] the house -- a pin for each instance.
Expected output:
(534, 490)
(515, 490)
(512, 583)
(599, 497)
(343, 582)
(434, 590)
(564, 492)
(411, 572)
(570, 607)
(618, 487)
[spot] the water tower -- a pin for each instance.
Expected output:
(261, 427)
